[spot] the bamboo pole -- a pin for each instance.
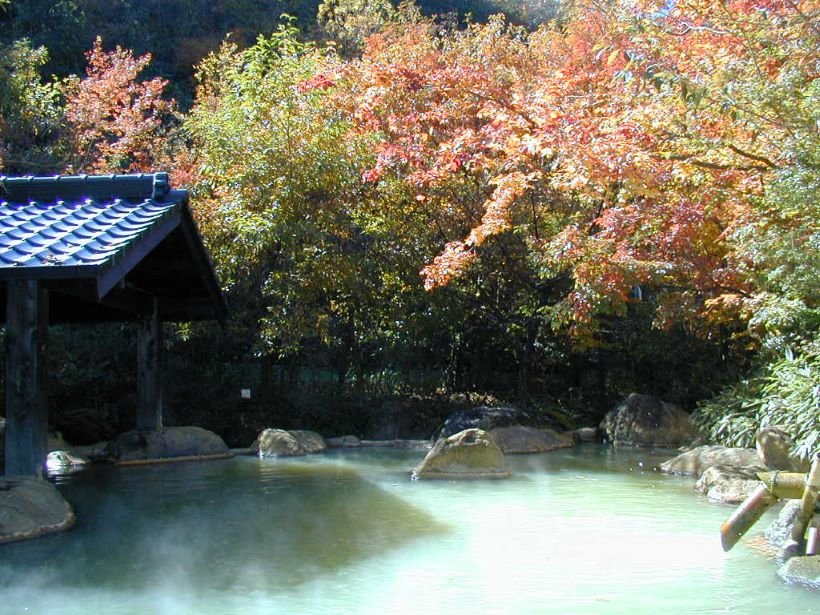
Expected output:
(813, 538)
(785, 485)
(745, 516)
(808, 502)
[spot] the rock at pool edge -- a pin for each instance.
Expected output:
(31, 507)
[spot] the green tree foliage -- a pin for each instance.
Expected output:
(349, 22)
(289, 220)
(177, 33)
(537, 176)
(30, 111)
(784, 393)
(58, 25)
(779, 246)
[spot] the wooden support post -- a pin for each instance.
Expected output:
(26, 408)
(149, 372)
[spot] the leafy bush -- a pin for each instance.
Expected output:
(785, 393)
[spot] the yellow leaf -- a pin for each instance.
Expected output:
(612, 56)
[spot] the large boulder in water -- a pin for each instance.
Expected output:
(468, 454)
(696, 461)
(30, 507)
(643, 420)
(284, 443)
(519, 439)
(167, 444)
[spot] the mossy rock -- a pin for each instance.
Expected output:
(643, 420)
(518, 439)
(468, 454)
(284, 443)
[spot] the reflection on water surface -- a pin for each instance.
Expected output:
(590, 530)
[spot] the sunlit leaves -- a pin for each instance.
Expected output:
(116, 120)
(30, 111)
(657, 127)
(309, 251)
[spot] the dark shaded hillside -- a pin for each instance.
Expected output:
(178, 33)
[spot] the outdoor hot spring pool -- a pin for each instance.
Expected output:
(586, 530)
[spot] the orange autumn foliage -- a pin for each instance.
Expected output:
(651, 128)
(117, 122)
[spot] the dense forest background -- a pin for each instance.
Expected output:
(419, 207)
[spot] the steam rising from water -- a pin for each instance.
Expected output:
(588, 531)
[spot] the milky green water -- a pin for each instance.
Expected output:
(589, 530)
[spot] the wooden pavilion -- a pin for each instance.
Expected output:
(93, 249)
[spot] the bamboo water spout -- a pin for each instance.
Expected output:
(746, 515)
(787, 485)
(804, 516)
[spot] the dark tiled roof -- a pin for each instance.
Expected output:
(100, 229)
(73, 234)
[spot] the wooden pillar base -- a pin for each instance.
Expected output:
(26, 406)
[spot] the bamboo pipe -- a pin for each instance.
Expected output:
(808, 502)
(785, 485)
(813, 538)
(745, 516)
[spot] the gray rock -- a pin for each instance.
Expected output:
(642, 420)
(284, 443)
(484, 418)
(801, 570)
(343, 442)
(468, 454)
(696, 461)
(278, 443)
(519, 439)
(774, 448)
(311, 441)
(30, 507)
(167, 443)
(727, 484)
(779, 532)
